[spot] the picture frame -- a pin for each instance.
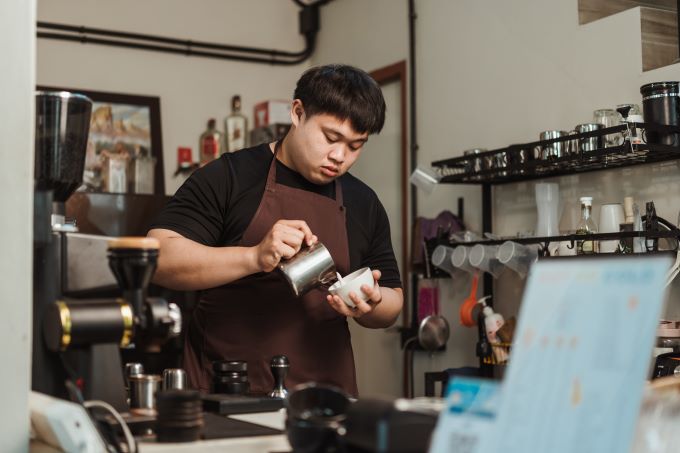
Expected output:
(125, 143)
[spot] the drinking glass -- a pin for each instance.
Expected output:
(609, 118)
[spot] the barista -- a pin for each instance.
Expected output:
(233, 220)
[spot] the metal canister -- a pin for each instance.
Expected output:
(661, 104)
(132, 369)
(588, 144)
(310, 268)
(143, 390)
(174, 379)
(554, 150)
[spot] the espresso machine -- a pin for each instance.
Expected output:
(76, 339)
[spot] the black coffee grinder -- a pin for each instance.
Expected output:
(79, 340)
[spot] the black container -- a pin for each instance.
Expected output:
(315, 417)
(230, 377)
(61, 131)
(180, 416)
(661, 104)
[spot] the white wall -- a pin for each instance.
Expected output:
(495, 73)
(191, 89)
(17, 45)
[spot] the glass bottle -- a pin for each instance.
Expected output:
(236, 127)
(144, 172)
(210, 143)
(115, 172)
(586, 226)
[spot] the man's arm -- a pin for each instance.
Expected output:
(186, 265)
(385, 313)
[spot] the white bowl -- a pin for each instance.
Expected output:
(353, 283)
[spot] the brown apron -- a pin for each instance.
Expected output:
(258, 317)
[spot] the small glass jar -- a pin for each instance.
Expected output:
(609, 118)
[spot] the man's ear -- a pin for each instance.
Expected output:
(297, 112)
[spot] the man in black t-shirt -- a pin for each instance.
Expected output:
(235, 219)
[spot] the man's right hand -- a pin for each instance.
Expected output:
(283, 241)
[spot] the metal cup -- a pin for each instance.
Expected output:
(133, 369)
(554, 150)
(500, 161)
(143, 390)
(312, 267)
(590, 143)
(475, 164)
(174, 379)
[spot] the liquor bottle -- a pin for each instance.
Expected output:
(210, 143)
(586, 226)
(235, 127)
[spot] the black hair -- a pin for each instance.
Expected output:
(345, 92)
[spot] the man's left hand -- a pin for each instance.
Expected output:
(361, 308)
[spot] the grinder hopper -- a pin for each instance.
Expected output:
(61, 132)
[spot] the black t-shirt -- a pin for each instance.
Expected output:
(216, 204)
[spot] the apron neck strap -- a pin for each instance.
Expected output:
(271, 176)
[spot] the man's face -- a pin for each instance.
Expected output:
(324, 147)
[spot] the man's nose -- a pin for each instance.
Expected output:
(337, 154)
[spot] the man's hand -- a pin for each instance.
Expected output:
(283, 241)
(361, 308)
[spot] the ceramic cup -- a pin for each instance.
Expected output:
(353, 283)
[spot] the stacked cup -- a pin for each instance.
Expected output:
(483, 257)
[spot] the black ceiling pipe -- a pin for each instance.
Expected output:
(309, 26)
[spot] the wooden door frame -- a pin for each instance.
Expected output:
(397, 73)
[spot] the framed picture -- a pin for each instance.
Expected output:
(124, 149)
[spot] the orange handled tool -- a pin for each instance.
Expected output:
(468, 304)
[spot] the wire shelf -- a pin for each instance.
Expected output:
(544, 242)
(522, 162)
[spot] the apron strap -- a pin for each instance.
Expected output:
(271, 175)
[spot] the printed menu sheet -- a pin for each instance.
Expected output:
(579, 359)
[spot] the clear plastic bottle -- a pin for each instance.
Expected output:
(210, 143)
(586, 226)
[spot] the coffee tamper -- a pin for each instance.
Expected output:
(279, 366)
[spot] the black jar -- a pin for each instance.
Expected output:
(661, 105)
(180, 416)
(230, 377)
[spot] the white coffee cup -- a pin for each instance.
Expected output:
(611, 216)
(353, 283)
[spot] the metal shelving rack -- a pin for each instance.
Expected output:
(521, 162)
